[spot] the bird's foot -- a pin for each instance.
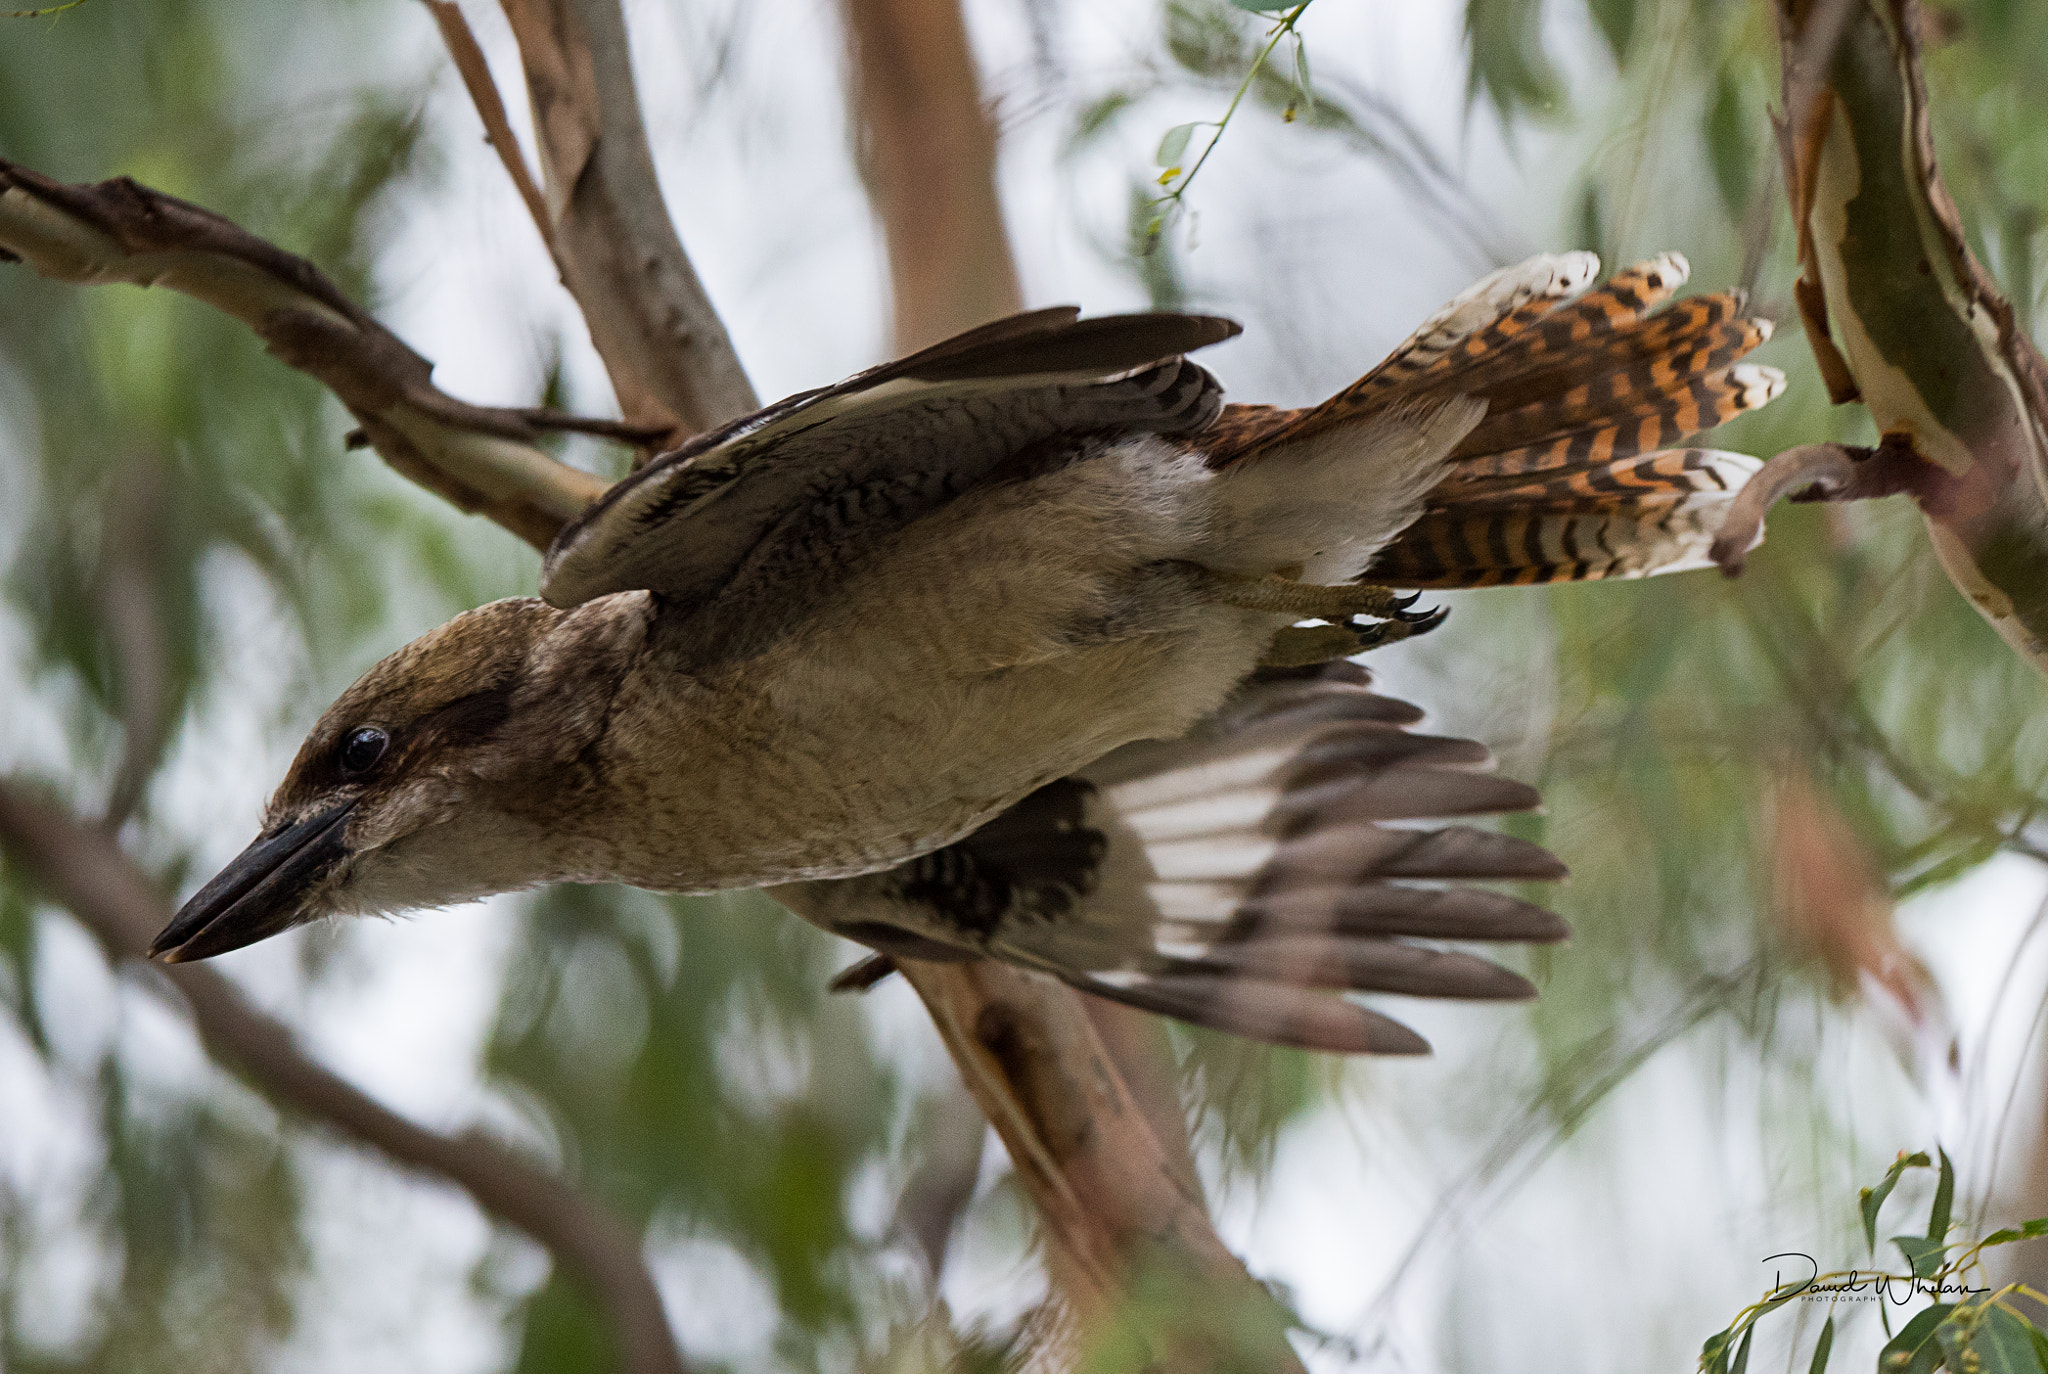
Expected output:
(1402, 624)
(1304, 600)
(1300, 646)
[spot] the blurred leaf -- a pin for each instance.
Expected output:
(1822, 1347)
(1714, 1354)
(1994, 1341)
(1617, 21)
(1508, 65)
(1922, 1254)
(1172, 145)
(2039, 1341)
(1204, 38)
(1873, 1198)
(2026, 1231)
(1096, 116)
(1730, 150)
(1944, 1200)
(1916, 1350)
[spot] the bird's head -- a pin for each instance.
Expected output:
(426, 782)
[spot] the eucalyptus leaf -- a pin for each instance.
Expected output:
(1992, 1340)
(1822, 1347)
(1916, 1349)
(1714, 1353)
(1873, 1198)
(1944, 1201)
(1922, 1254)
(2039, 1342)
(1173, 145)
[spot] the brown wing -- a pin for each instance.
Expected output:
(858, 459)
(1241, 878)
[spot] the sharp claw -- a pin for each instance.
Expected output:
(1402, 603)
(1429, 618)
(1378, 634)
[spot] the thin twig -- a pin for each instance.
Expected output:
(85, 870)
(669, 357)
(1176, 199)
(483, 93)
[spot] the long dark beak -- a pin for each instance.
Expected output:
(259, 894)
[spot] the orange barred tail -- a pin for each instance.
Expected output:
(1632, 517)
(1571, 475)
(1573, 472)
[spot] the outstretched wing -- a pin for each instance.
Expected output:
(1240, 878)
(881, 448)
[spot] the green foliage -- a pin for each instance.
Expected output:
(1509, 67)
(692, 1066)
(1981, 1333)
(1208, 38)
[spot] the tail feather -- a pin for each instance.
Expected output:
(1566, 475)
(1714, 321)
(1654, 514)
(1635, 409)
(1546, 337)
(1429, 913)
(1479, 323)
(1341, 962)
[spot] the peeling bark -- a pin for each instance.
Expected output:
(1902, 317)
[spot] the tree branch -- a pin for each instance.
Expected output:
(480, 458)
(1901, 315)
(490, 107)
(579, 77)
(85, 870)
(1112, 1197)
(927, 153)
(668, 354)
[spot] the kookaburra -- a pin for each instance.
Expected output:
(995, 651)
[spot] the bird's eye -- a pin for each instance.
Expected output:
(361, 750)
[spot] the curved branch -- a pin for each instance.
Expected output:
(1902, 316)
(83, 868)
(480, 458)
(1113, 1197)
(670, 360)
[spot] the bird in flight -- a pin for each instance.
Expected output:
(1028, 647)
